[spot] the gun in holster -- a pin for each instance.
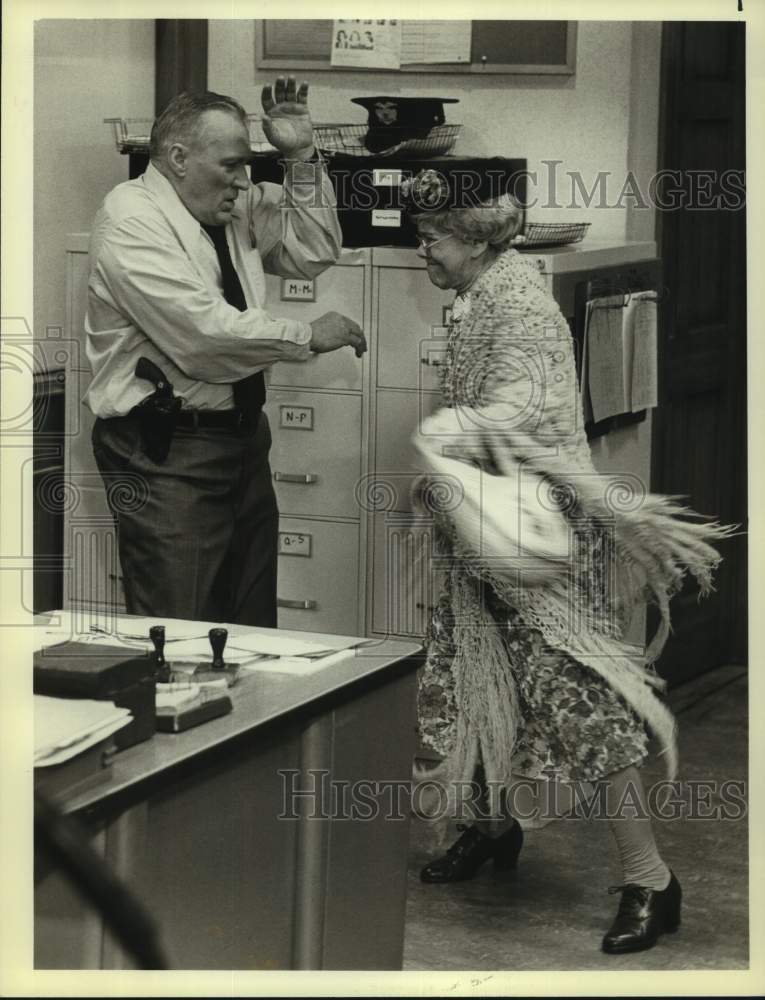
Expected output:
(157, 413)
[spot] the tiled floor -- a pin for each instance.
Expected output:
(550, 914)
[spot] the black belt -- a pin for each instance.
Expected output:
(222, 419)
(227, 419)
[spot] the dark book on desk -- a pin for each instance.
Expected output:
(104, 673)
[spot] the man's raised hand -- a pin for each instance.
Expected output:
(286, 121)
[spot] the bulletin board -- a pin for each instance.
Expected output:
(522, 47)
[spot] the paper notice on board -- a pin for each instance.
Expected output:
(373, 44)
(644, 376)
(435, 41)
(605, 358)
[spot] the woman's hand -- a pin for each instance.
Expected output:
(287, 123)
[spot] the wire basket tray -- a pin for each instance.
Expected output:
(349, 139)
(133, 134)
(552, 234)
(130, 133)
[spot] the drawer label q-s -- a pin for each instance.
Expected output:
(296, 418)
(298, 290)
(294, 543)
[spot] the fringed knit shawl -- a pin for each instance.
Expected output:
(510, 374)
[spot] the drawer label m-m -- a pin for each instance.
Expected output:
(298, 290)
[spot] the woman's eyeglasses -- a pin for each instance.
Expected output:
(425, 244)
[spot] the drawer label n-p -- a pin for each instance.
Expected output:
(294, 543)
(296, 418)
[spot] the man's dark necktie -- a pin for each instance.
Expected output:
(250, 392)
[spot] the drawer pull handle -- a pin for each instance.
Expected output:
(433, 363)
(295, 477)
(283, 602)
(116, 576)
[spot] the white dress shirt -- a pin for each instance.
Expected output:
(155, 287)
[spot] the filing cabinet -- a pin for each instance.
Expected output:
(318, 414)
(342, 458)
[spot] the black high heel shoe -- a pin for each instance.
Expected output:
(463, 859)
(644, 915)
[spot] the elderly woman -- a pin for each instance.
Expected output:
(529, 683)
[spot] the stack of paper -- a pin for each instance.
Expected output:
(299, 664)
(132, 633)
(65, 727)
(187, 644)
(256, 651)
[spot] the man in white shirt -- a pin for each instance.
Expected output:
(177, 278)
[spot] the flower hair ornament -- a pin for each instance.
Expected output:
(428, 191)
(454, 188)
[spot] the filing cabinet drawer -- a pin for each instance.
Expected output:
(318, 588)
(397, 462)
(93, 576)
(411, 330)
(316, 452)
(339, 289)
(403, 580)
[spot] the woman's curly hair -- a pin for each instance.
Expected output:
(496, 221)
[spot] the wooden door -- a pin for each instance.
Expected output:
(699, 429)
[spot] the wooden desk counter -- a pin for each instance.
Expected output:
(271, 838)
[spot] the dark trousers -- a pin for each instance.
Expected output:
(197, 533)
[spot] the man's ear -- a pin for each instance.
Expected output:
(177, 157)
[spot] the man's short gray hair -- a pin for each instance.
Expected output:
(180, 120)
